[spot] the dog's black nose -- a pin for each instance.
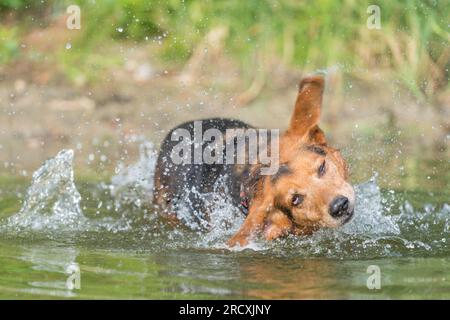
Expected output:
(339, 207)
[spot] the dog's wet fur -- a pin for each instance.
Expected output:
(309, 191)
(173, 182)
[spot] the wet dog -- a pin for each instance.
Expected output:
(308, 191)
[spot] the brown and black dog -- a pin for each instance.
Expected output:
(309, 191)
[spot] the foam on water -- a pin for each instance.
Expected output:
(52, 206)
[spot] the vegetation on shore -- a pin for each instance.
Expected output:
(412, 44)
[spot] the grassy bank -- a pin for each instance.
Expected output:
(412, 44)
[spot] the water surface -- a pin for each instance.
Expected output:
(55, 227)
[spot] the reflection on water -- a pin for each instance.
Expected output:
(48, 270)
(308, 278)
(38, 271)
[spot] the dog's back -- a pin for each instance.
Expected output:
(182, 184)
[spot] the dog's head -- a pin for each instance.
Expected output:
(311, 188)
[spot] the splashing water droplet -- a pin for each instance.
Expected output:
(52, 201)
(369, 217)
(134, 184)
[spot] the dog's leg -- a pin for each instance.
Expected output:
(252, 224)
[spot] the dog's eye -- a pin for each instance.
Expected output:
(322, 169)
(297, 199)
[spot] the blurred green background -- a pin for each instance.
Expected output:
(138, 67)
(302, 34)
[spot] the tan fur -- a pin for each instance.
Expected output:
(312, 214)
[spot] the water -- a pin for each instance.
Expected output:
(107, 236)
(52, 201)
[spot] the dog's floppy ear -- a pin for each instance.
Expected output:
(305, 120)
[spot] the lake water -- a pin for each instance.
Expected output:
(64, 238)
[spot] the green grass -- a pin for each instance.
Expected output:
(412, 45)
(9, 44)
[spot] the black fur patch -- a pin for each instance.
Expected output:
(317, 149)
(253, 182)
(173, 181)
(278, 204)
(282, 171)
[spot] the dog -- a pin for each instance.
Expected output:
(310, 190)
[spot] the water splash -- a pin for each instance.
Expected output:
(370, 214)
(124, 219)
(370, 221)
(134, 183)
(224, 218)
(52, 201)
